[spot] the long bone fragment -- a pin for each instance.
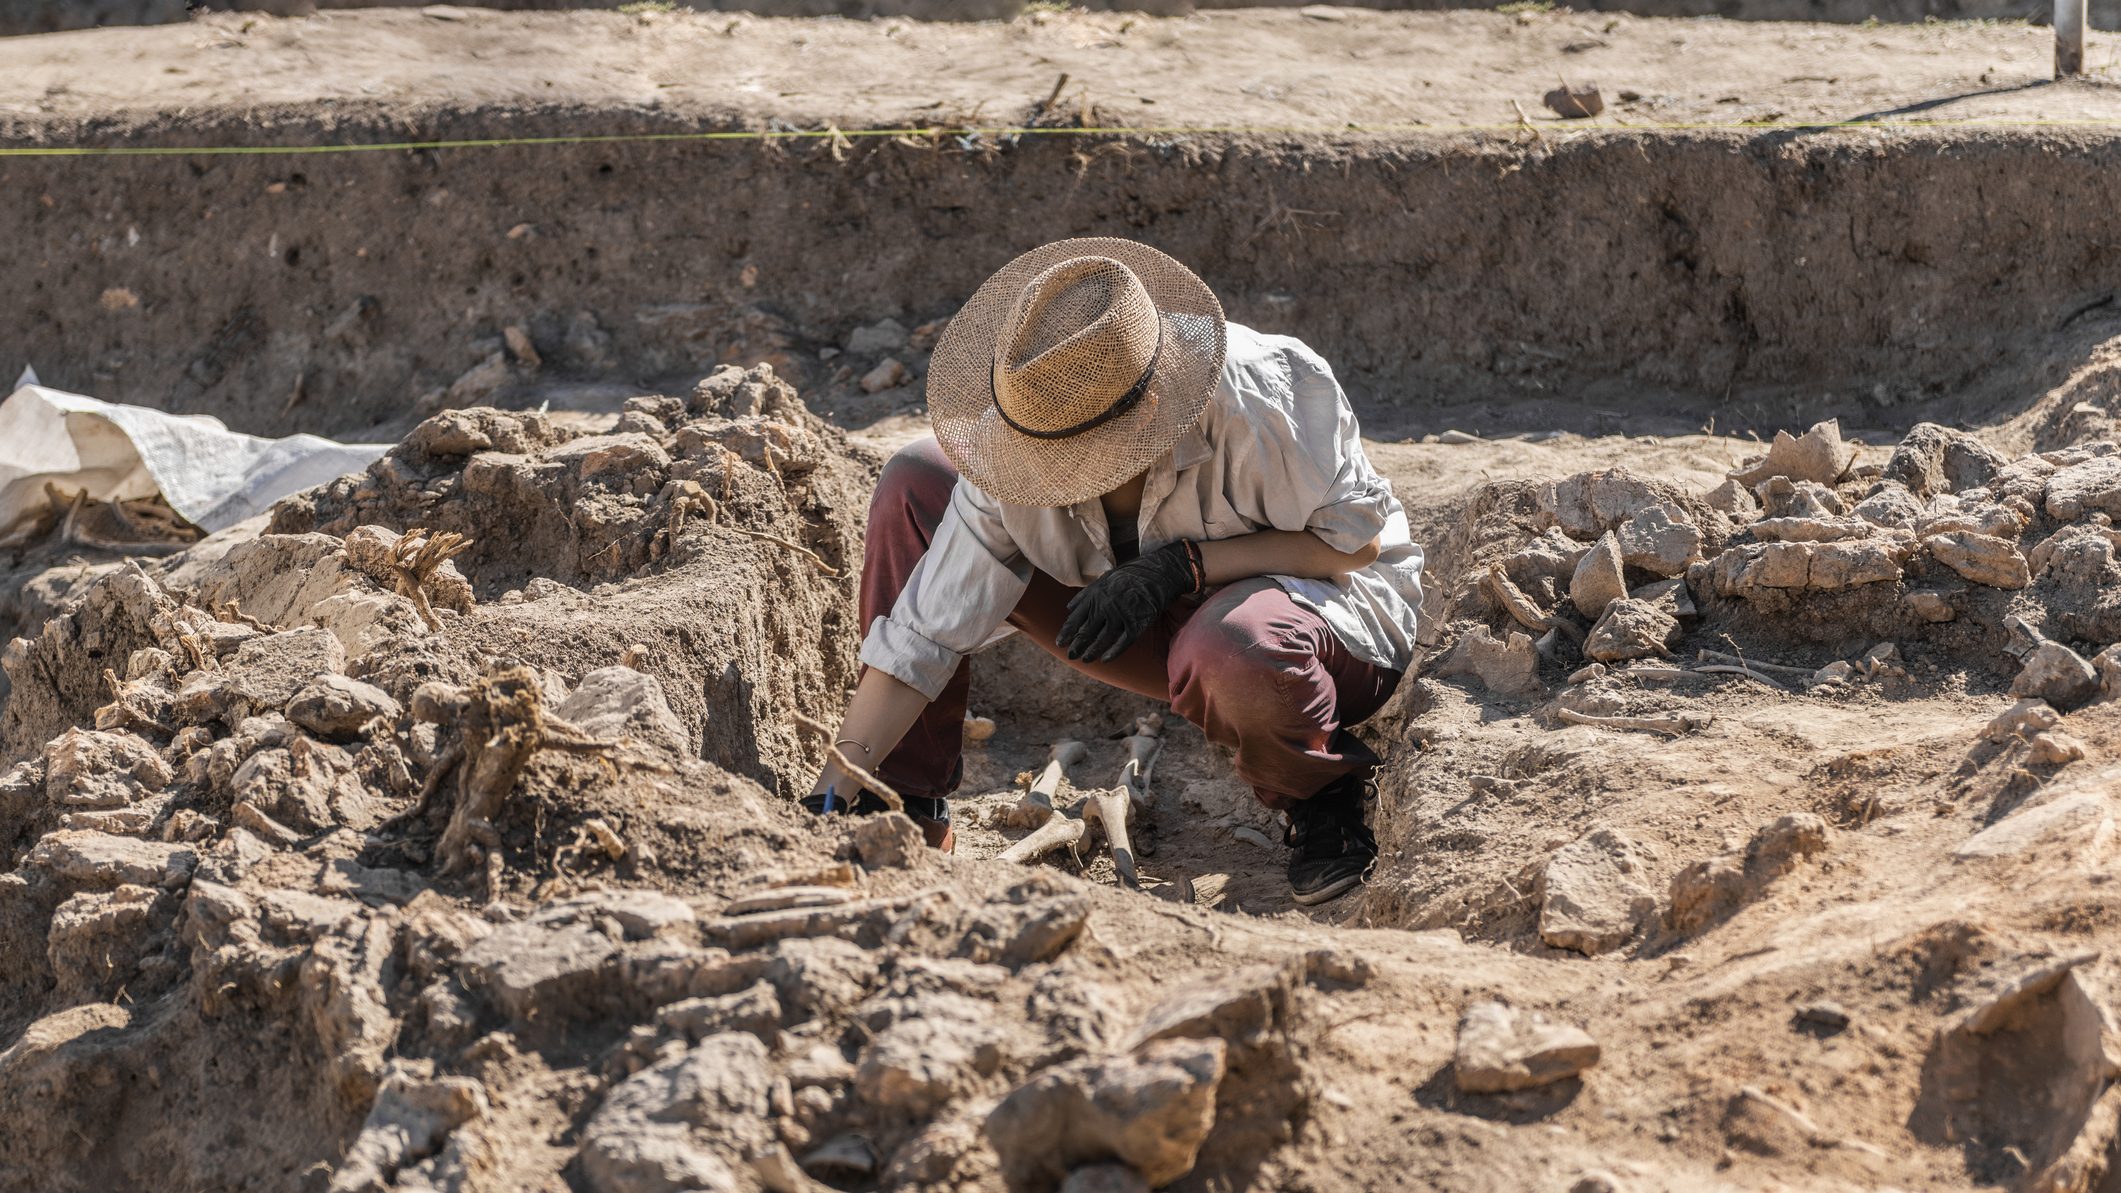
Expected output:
(1059, 826)
(1112, 804)
(1037, 807)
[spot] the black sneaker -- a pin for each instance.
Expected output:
(1330, 849)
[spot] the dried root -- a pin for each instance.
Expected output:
(415, 558)
(502, 725)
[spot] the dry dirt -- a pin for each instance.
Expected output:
(332, 866)
(1246, 69)
(306, 894)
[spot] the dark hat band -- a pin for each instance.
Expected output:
(1120, 405)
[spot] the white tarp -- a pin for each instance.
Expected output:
(213, 476)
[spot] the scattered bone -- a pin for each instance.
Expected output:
(1111, 806)
(1512, 600)
(1676, 724)
(1037, 806)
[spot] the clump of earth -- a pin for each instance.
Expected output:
(438, 833)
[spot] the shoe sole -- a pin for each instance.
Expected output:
(1328, 893)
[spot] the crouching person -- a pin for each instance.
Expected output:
(1175, 505)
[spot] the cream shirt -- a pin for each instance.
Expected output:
(1277, 448)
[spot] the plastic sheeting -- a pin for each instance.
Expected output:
(211, 475)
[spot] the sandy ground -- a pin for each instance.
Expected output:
(1318, 69)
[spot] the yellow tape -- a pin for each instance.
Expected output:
(1344, 130)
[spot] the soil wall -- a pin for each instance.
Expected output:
(327, 292)
(44, 16)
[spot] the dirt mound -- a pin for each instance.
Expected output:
(435, 836)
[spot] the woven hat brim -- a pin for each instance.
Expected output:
(1019, 469)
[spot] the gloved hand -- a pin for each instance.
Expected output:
(1105, 618)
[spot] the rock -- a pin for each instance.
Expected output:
(2054, 748)
(92, 859)
(623, 459)
(1033, 921)
(1660, 540)
(1574, 101)
(2093, 485)
(1599, 580)
(1931, 605)
(617, 702)
(2108, 664)
(917, 1066)
(1781, 497)
(1981, 558)
(1242, 1009)
(1595, 893)
(1819, 455)
(888, 840)
(1811, 530)
(2021, 720)
(2067, 828)
(273, 667)
(1590, 503)
(888, 374)
(756, 1010)
(1734, 500)
(1631, 629)
(1508, 668)
(1502, 1048)
(685, 1122)
(1827, 566)
(1708, 890)
(334, 706)
(1934, 459)
(1150, 1110)
(1891, 507)
(1831, 1016)
(94, 768)
(413, 1114)
(1597, 1181)
(1670, 596)
(845, 1157)
(96, 938)
(547, 969)
(2055, 673)
(1104, 1178)
(885, 335)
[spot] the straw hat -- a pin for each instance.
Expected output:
(1072, 369)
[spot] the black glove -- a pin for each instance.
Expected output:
(1105, 618)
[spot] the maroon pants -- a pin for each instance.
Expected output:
(1256, 671)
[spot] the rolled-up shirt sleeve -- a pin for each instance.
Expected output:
(1314, 474)
(960, 592)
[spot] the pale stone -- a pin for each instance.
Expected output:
(1596, 893)
(1599, 578)
(2077, 825)
(1501, 1048)
(1981, 558)
(2055, 673)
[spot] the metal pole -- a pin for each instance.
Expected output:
(2069, 38)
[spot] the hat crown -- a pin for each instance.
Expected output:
(1079, 341)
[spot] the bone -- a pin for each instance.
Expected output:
(1676, 724)
(1037, 806)
(1063, 829)
(1110, 806)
